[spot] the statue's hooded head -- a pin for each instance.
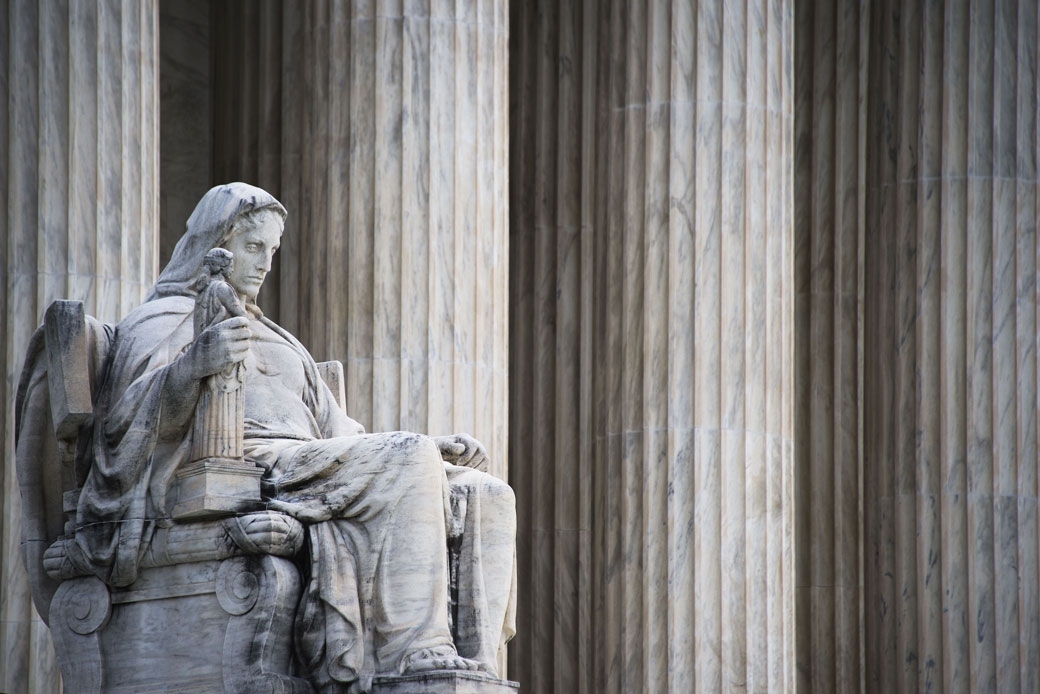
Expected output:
(208, 227)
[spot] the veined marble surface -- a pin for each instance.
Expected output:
(950, 426)
(79, 181)
(384, 129)
(652, 266)
(830, 125)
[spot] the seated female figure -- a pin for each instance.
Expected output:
(379, 507)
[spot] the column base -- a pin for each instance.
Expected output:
(443, 682)
(215, 487)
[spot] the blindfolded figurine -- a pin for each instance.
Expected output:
(216, 299)
(381, 510)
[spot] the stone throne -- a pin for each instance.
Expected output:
(212, 608)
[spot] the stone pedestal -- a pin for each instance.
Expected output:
(443, 682)
(216, 486)
(78, 187)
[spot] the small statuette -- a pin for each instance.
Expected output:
(217, 479)
(218, 417)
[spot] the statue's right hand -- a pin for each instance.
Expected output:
(220, 346)
(56, 562)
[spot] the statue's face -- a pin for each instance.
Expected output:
(254, 251)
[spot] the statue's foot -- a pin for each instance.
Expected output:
(444, 658)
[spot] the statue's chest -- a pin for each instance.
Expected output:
(272, 363)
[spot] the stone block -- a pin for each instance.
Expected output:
(205, 627)
(444, 682)
(216, 486)
(65, 325)
(332, 373)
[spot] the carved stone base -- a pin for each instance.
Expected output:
(216, 486)
(205, 627)
(444, 682)
(81, 607)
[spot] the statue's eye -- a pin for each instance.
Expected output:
(252, 247)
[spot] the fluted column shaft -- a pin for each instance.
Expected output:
(652, 345)
(696, 428)
(556, 111)
(79, 183)
(830, 90)
(951, 456)
(383, 131)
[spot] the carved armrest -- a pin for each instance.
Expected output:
(219, 539)
(332, 373)
(181, 543)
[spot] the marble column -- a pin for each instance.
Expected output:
(555, 112)
(950, 426)
(79, 184)
(652, 416)
(382, 127)
(830, 97)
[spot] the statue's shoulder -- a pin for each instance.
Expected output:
(279, 330)
(151, 313)
(160, 324)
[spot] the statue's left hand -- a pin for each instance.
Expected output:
(271, 533)
(464, 450)
(56, 562)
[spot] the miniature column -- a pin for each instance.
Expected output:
(79, 184)
(217, 479)
(951, 338)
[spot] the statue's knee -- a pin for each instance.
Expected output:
(422, 451)
(426, 448)
(498, 492)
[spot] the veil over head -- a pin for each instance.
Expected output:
(207, 226)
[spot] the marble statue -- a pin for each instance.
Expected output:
(381, 593)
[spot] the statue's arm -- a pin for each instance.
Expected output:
(180, 395)
(219, 346)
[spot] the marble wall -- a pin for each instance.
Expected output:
(653, 287)
(950, 419)
(79, 185)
